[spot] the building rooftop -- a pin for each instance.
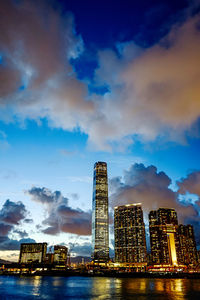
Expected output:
(128, 205)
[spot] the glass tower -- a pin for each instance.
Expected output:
(187, 245)
(164, 240)
(100, 220)
(130, 242)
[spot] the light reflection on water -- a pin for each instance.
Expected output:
(100, 288)
(36, 285)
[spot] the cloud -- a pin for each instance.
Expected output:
(8, 244)
(36, 45)
(12, 212)
(21, 233)
(189, 187)
(61, 217)
(80, 249)
(190, 184)
(5, 229)
(152, 92)
(84, 249)
(45, 195)
(149, 187)
(28, 221)
(75, 196)
(11, 216)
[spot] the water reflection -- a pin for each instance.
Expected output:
(137, 285)
(145, 288)
(36, 285)
(58, 281)
(99, 288)
(172, 288)
(166, 288)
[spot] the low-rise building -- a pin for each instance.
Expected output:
(32, 253)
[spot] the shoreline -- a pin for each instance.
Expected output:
(106, 274)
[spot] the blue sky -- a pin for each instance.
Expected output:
(81, 82)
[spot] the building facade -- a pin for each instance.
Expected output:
(129, 228)
(164, 240)
(60, 255)
(32, 253)
(187, 245)
(100, 219)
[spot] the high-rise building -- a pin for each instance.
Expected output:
(198, 256)
(163, 225)
(60, 255)
(130, 241)
(32, 253)
(100, 219)
(187, 245)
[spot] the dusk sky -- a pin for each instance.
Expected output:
(86, 81)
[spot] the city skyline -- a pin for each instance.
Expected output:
(170, 243)
(173, 245)
(116, 82)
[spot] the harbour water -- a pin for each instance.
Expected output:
(101, 288)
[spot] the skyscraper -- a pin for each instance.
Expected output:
(100, 219)
(187, 245)
(130, 242)
(164, 240)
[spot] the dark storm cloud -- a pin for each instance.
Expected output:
(150, 188)
(61, 217)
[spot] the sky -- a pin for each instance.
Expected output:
(87, 81)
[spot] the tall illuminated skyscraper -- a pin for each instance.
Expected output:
(187, 245)
(100, 219)
(130, 242)
(164, 239)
